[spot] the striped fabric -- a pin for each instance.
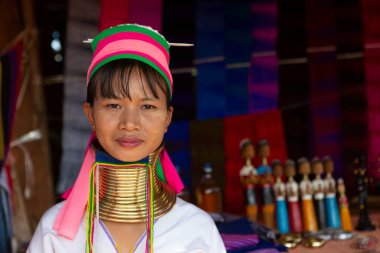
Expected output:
(210, 65)
(325, 129)
(262, 82)
(350, 70)
(237, 51)
(371, 32)
(236, 241)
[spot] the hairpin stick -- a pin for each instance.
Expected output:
(88, 40)
(181, 44)
(171, 44)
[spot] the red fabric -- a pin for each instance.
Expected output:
(113, 13)
(264, 125)
(371, 32)
(146, 12)
(143, 12)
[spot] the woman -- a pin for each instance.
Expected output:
(124, 198)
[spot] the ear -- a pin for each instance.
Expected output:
(169, 117)
(88, 111)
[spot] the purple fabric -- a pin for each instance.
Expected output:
(263, 71)
(237, 241)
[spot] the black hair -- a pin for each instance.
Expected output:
(113, 78)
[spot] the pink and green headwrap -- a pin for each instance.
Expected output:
(131, 41)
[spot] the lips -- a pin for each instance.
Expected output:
(129, 142)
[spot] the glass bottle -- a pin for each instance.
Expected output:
(208, 193)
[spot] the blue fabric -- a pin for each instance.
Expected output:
(211, 76)
(104, 157)
(177, 143)
(263, 169)
(238, 49)
(332, 212)
(282, 217)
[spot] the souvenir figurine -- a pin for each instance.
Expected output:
(306, 189)
(343, 207)
(248, 178)
(295, 219)
(360, 171)
(279, 190)
(268, 202)
(332, 211)
(319, 193)
(264, 151)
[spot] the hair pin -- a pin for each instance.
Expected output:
(171, 44)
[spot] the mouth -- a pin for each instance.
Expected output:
(129, 142)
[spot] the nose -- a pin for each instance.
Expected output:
(129, 119)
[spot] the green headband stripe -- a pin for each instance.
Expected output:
(134, 57)
(129, 28)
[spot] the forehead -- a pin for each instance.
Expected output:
(128, 82)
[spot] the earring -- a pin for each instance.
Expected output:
(93, 127)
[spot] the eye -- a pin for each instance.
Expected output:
(113, 106)
(148, 107)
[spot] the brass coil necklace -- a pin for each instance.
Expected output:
(122, 190)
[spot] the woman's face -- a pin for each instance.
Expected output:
(130, 129)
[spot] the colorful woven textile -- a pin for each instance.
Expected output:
(262, 82)
(210, 65)
(371, 32)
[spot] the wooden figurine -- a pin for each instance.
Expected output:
(343, 207)
(319, 193)
(294, 213)
(332, 210)
(264, 152)
(282, 218)
(362, 180)
(268, 202)
(248, 178)
(306, 189)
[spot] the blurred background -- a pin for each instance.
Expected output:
(303, 75)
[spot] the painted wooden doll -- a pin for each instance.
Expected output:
(268, 201)
(282, 218)
(248, 178)
(319, 193)
(343, 207)
(264, 152)
(332, 210)
(306, 189)
(294, 210)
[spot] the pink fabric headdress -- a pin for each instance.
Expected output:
(120, 42)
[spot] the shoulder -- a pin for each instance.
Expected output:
(49, 216)
(45, 238)
(187, 211)
(188, 227)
